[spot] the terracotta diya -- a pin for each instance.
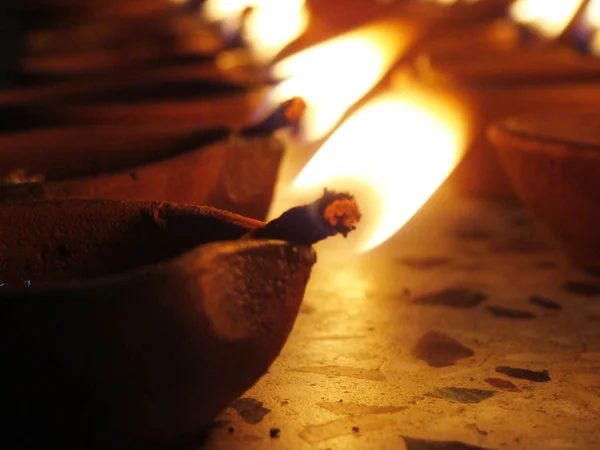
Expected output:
(489, 96)
(142, 321)
(181, 84)
(553, 160)
(88, 47)
(233, 170)
(79, 33)
(518, 30)
(197, 46)
(453, 19)
(468, 41)
(201, 94)
(494, 72)
(175, 36)
(498, 51)
(459, 11)
(61, 10)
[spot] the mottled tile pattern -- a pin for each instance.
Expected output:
(461, 394)
(545, 303)
(456, 298)
(353, 409)
(539, 376)
(510, 313)
(502, 384)
(250, 409)
(512, 327)
(440, 350)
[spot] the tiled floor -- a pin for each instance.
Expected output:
(418, 341)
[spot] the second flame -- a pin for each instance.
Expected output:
(266, 25)
(547, 17)
(335, 74)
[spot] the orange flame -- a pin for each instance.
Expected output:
(333, 75)
(266, 28)
(547, 17)
(400, 147)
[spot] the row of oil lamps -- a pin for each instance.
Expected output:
(132, 323)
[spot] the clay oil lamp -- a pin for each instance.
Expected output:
(211, 175)
(453, 18)
(538, 41)
(213, 93)
(59, 40)
(162, 40)
(181, 34)
(505, 83)
(460, 11)
(192, 94)
(60, 11)
(197, 94)
(221, 167)
(553, 161)
(525, 25)
(229, 34)
(139, 322)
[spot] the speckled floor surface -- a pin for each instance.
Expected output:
(420, 341)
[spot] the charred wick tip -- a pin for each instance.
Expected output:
(293, 109)
(287, 114)
(247, 12)
(339, 210)
(334, 213)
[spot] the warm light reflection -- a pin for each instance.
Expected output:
(401, 147)
(333, 75)
(267, 25)
(547, 17)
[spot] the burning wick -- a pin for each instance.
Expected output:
(334, 213)
(287, 114)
